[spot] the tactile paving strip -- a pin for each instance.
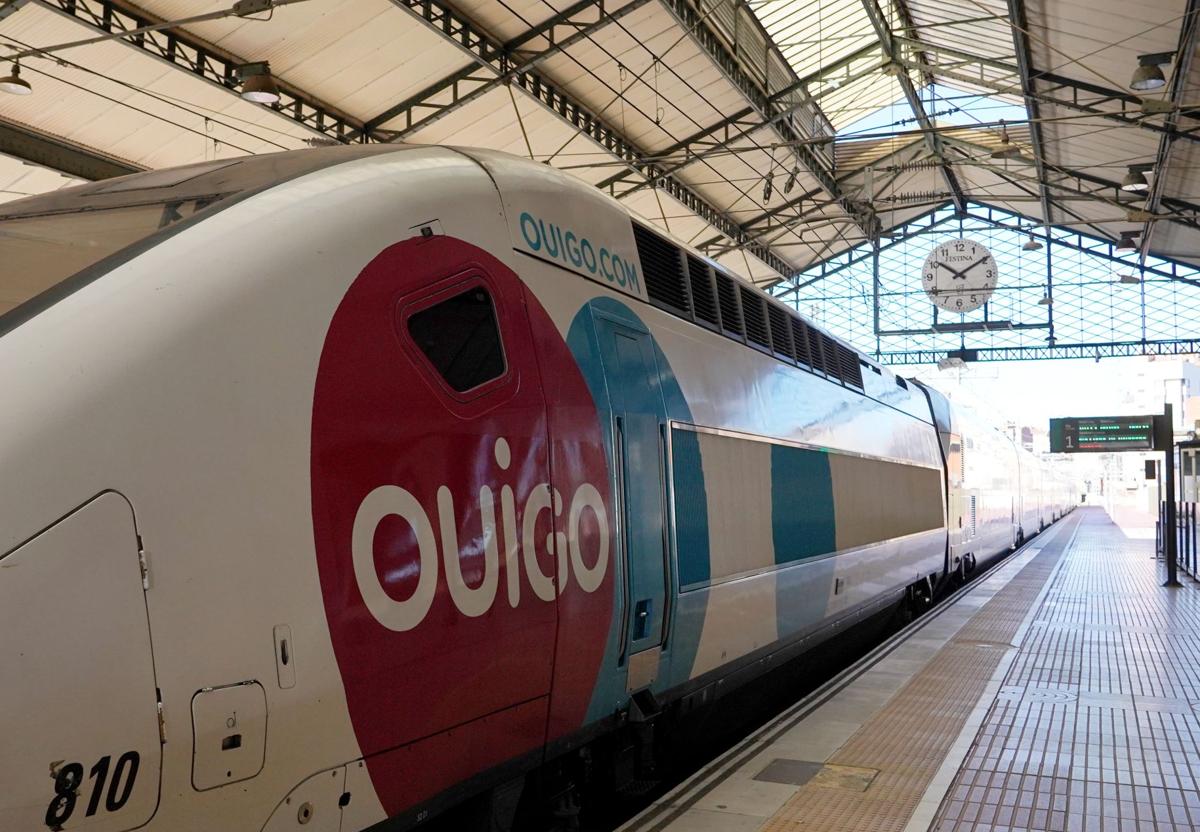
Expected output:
(907, 740)
(1096, 728)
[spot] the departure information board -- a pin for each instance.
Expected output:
(1102, 434)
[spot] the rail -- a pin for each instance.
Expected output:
(1187, 536)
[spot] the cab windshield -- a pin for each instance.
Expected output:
(38, 252)
(53, 244)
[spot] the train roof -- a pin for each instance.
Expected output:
(213, 184)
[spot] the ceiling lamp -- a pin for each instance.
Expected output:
(791, 180)
(1032, 244)
(1006, 150)
(1046, 301)
(1148, 76)
(1128, 278)
(1135, 180)
(257, 84)
(1126, 242)
(14, 84)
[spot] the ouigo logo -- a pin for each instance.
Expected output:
(578, 251)
(388, 500)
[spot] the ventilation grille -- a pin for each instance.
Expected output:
(731, 315)
(829, 356)
(689, 287)
(800, 342)
(662, 268)
(754, 308)
(851, 370)
(781, 332)
(814, 350)
(704, 302)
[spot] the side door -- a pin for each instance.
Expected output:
(79, 703)
(637, 419)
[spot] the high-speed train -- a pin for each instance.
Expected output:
(342, 486)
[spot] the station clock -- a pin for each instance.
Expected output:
(959, 275)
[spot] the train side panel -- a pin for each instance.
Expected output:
(376, 578)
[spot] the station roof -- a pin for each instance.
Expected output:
(773, 135)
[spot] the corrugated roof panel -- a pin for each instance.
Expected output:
(1097, 146)
(118, 99)
(19, 179)
(663, 212)
(513, 18)
(978, 26)
(737, 181)
(1176, 242)
(748, 267)
(863, 97)
(656, 86)
(1099, 40)
(815, 34)
(342, 53)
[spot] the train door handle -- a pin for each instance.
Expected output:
(641, 616)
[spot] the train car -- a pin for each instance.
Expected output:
(341, 486)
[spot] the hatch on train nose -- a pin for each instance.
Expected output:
(79, 705)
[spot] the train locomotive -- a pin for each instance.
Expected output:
(341, 486)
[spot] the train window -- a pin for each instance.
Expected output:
(461, 339)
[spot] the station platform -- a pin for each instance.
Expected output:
(1060, 692)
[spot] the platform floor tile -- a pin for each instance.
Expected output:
(1096, 726)
(907, 740)
(1059, 694)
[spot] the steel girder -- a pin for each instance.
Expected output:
(66, 157)
(884, 33)
(761, 99)
(1110, 349)
(951, 63)
(493, 69)
(721, 136)
(930, 221)
(1179, 80)
(1019, 23)
(484, 49)
(1184, 212)
(203, 60)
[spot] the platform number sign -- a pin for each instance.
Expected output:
(959, 275)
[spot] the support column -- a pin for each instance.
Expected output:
(1166, 436)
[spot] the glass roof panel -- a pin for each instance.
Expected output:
(815, 34)
(1091, 304)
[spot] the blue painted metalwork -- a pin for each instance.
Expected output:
(1093, 313)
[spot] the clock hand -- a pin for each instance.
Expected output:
(963, 274)
(953, 270)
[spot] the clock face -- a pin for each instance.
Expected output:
(959, 275)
